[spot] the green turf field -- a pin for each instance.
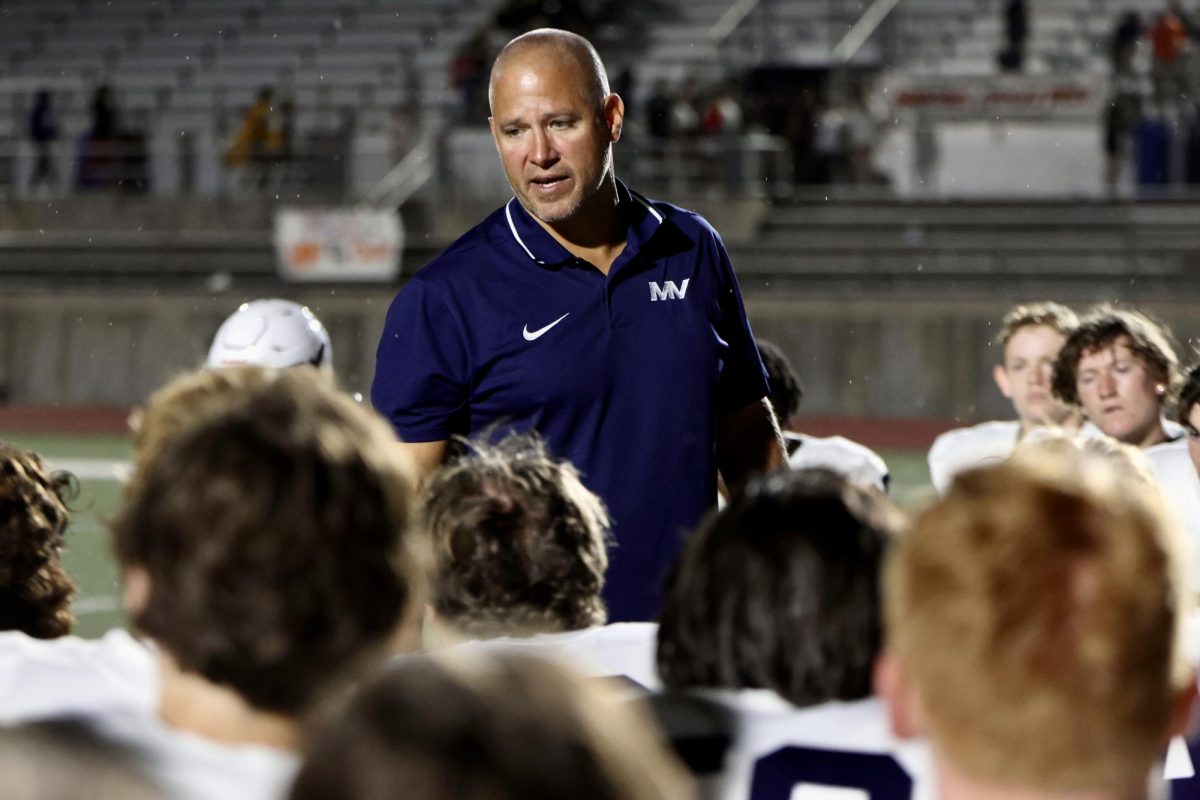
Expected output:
(89, 557)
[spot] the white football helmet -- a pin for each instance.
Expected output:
(271, 333)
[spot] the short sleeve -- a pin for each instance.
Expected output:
(743, 378)
(422, 375)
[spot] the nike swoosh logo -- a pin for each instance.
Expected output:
(531, 335)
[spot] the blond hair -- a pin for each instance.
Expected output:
(1036, 609)
(1026, 315)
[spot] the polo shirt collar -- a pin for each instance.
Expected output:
(641, 219)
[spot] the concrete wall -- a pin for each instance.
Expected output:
(870, 355)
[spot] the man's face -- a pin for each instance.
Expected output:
(554, 143)
(1118, 393)
(1024, 377)
(1192, 425)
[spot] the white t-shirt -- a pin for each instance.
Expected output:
(112, 683)
(1180, 487)
(858, 463)
(625, 649)
(964, 448)
(780, 752)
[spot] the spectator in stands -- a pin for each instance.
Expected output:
(501, 726)
(1119, 367)
(773, 620)
(1168, 70)
(468, 74)
(658, 111)
(43, 132)
(1033, 617)
(1125, 38)
(685, 116)
(1031, 336)
(1016, 34)
(927, 153)
(251, 146)
(860, 464)
(519, 542)
(266, 550)
(1122, 114)
(721, 123)
(35, 589)
(100, 160)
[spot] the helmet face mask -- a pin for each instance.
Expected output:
(271, 333)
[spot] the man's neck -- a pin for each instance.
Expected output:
(953, 785)
(596, 233)
(188, 702)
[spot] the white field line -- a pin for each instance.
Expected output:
(93, 469)
(82, 606)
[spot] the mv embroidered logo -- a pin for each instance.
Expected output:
(668, 290)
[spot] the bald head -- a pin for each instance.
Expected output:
(553, 49)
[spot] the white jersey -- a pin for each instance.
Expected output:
(779, 750)
(964, 448)
(625, 649)
(1180, 487)
(860, 464)
(112, 683)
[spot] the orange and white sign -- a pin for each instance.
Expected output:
(341, 244)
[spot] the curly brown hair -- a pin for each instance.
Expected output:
(35, 589)
(1149, 340)
(1189, 394)
(276, 539)
(519, 542)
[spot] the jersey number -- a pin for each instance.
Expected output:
(776, 775)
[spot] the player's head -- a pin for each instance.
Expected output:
(271, 333)
(554, 122)
(785, 390)
(187, 400)
(1188, 412)
(35, 589)
(1033, 617)
(268, 547)
(519, 542)
(1129, 462)
(501, 726)
(1030, 338)
(1118, 366)
(780, 590)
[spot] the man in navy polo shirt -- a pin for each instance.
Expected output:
(611, 324)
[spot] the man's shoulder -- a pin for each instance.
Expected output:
(460, 257)
(41, 678)
(996, 434)
(685, 219)
(194, 766)
(963, 448)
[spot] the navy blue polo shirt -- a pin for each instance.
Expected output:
(625, 375)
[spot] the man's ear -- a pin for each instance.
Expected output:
(1000, 376)
(135, 590)
(614, 116)
(901, 699)
(495, 136)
